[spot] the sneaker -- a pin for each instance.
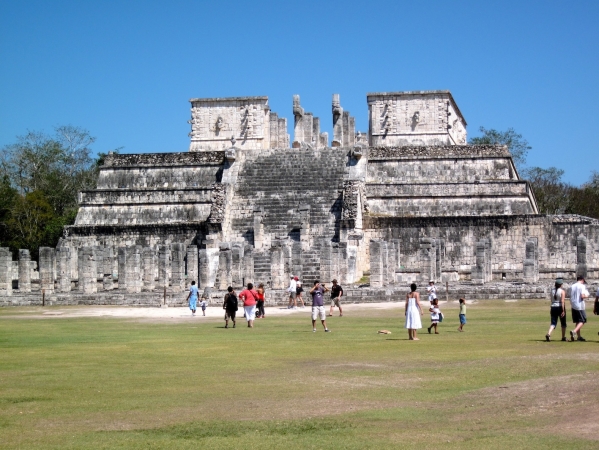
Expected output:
(581, 339)
(326, 330)
(226, 326)
(572, 336)
(564, 339)
(313, 330)
(547, 338)
(429, 330)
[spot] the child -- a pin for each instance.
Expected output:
(462, 314)
(432, 291)
(203, 305)
(435, 312)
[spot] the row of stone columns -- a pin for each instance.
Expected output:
(385, 259)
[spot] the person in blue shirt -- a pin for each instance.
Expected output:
(192, 298)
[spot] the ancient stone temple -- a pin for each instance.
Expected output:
(407, 200)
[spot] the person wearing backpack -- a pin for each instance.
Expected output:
(230, 306)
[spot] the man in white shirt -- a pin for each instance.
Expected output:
(292, 289)
(578, 293)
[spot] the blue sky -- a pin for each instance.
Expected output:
(125, 70)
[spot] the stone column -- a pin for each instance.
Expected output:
(326, 251)
(236, 265)
(63, 269)
(107, 269)
(376, 263)
(204, 268)
(149, 268)
(258, 228)
(133, 269)
(352, 264)
(24, 271)
(337, 122)
(581, 256)
(395, 258)
(287, 260)
(428, 258)
(530, 270)
(5, 271)
(296, 260)
(248, 265)
(164, 261)
(479, 270)
(178, 267)
(343, 263)
(99, 257)
(123, 282)
(385, 262)
(225, 262)
(192, 266)
(88, 271)
(47, 269)
(277, 266)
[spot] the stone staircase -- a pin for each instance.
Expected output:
(281, 180)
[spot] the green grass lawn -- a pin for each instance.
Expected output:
(114, 383)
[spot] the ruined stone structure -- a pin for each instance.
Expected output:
(405, 201)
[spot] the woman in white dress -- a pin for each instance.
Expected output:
(413, 321)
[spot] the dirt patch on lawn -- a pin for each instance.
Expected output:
(561, 405)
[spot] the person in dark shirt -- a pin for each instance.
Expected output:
(230, 306)
(336, 294)
(317, 293)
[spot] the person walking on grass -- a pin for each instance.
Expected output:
(578, 293)
(413, 321)
(435, 315)
(462, 314)
(230, 306)
(203, 305)
(317, 293)
(336, 294)
(558, 309)
(292, 290)
(248, 297)
(192, 298)
(260, 301)
(298, 292)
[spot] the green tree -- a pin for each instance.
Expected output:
(551, 192)
(517, 145)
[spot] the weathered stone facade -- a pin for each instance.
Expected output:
(407, 201)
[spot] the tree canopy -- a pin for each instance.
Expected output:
(40, 177)
(517, 145)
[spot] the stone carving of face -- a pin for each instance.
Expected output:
(416, 117)
(219, 124)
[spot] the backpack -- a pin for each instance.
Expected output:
(232, 302)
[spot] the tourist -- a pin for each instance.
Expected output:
(317, 293)
(336, 294)
(230, 306)
(248, 297)
(596, 307)
(432, 291)
(462, 314)
(578, 293)
(203, 305)
(292, 289)
(192, 298)
(435, 316)
(558, 309)
(413, 321)
(260, 301)
(298, 292)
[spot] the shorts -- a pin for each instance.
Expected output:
(335, 302)
(292, 295)
(250, 312)
(230, 315)
(318, 311)
(462, 319)
(556, 312)
(434, 321)
(579, 316)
